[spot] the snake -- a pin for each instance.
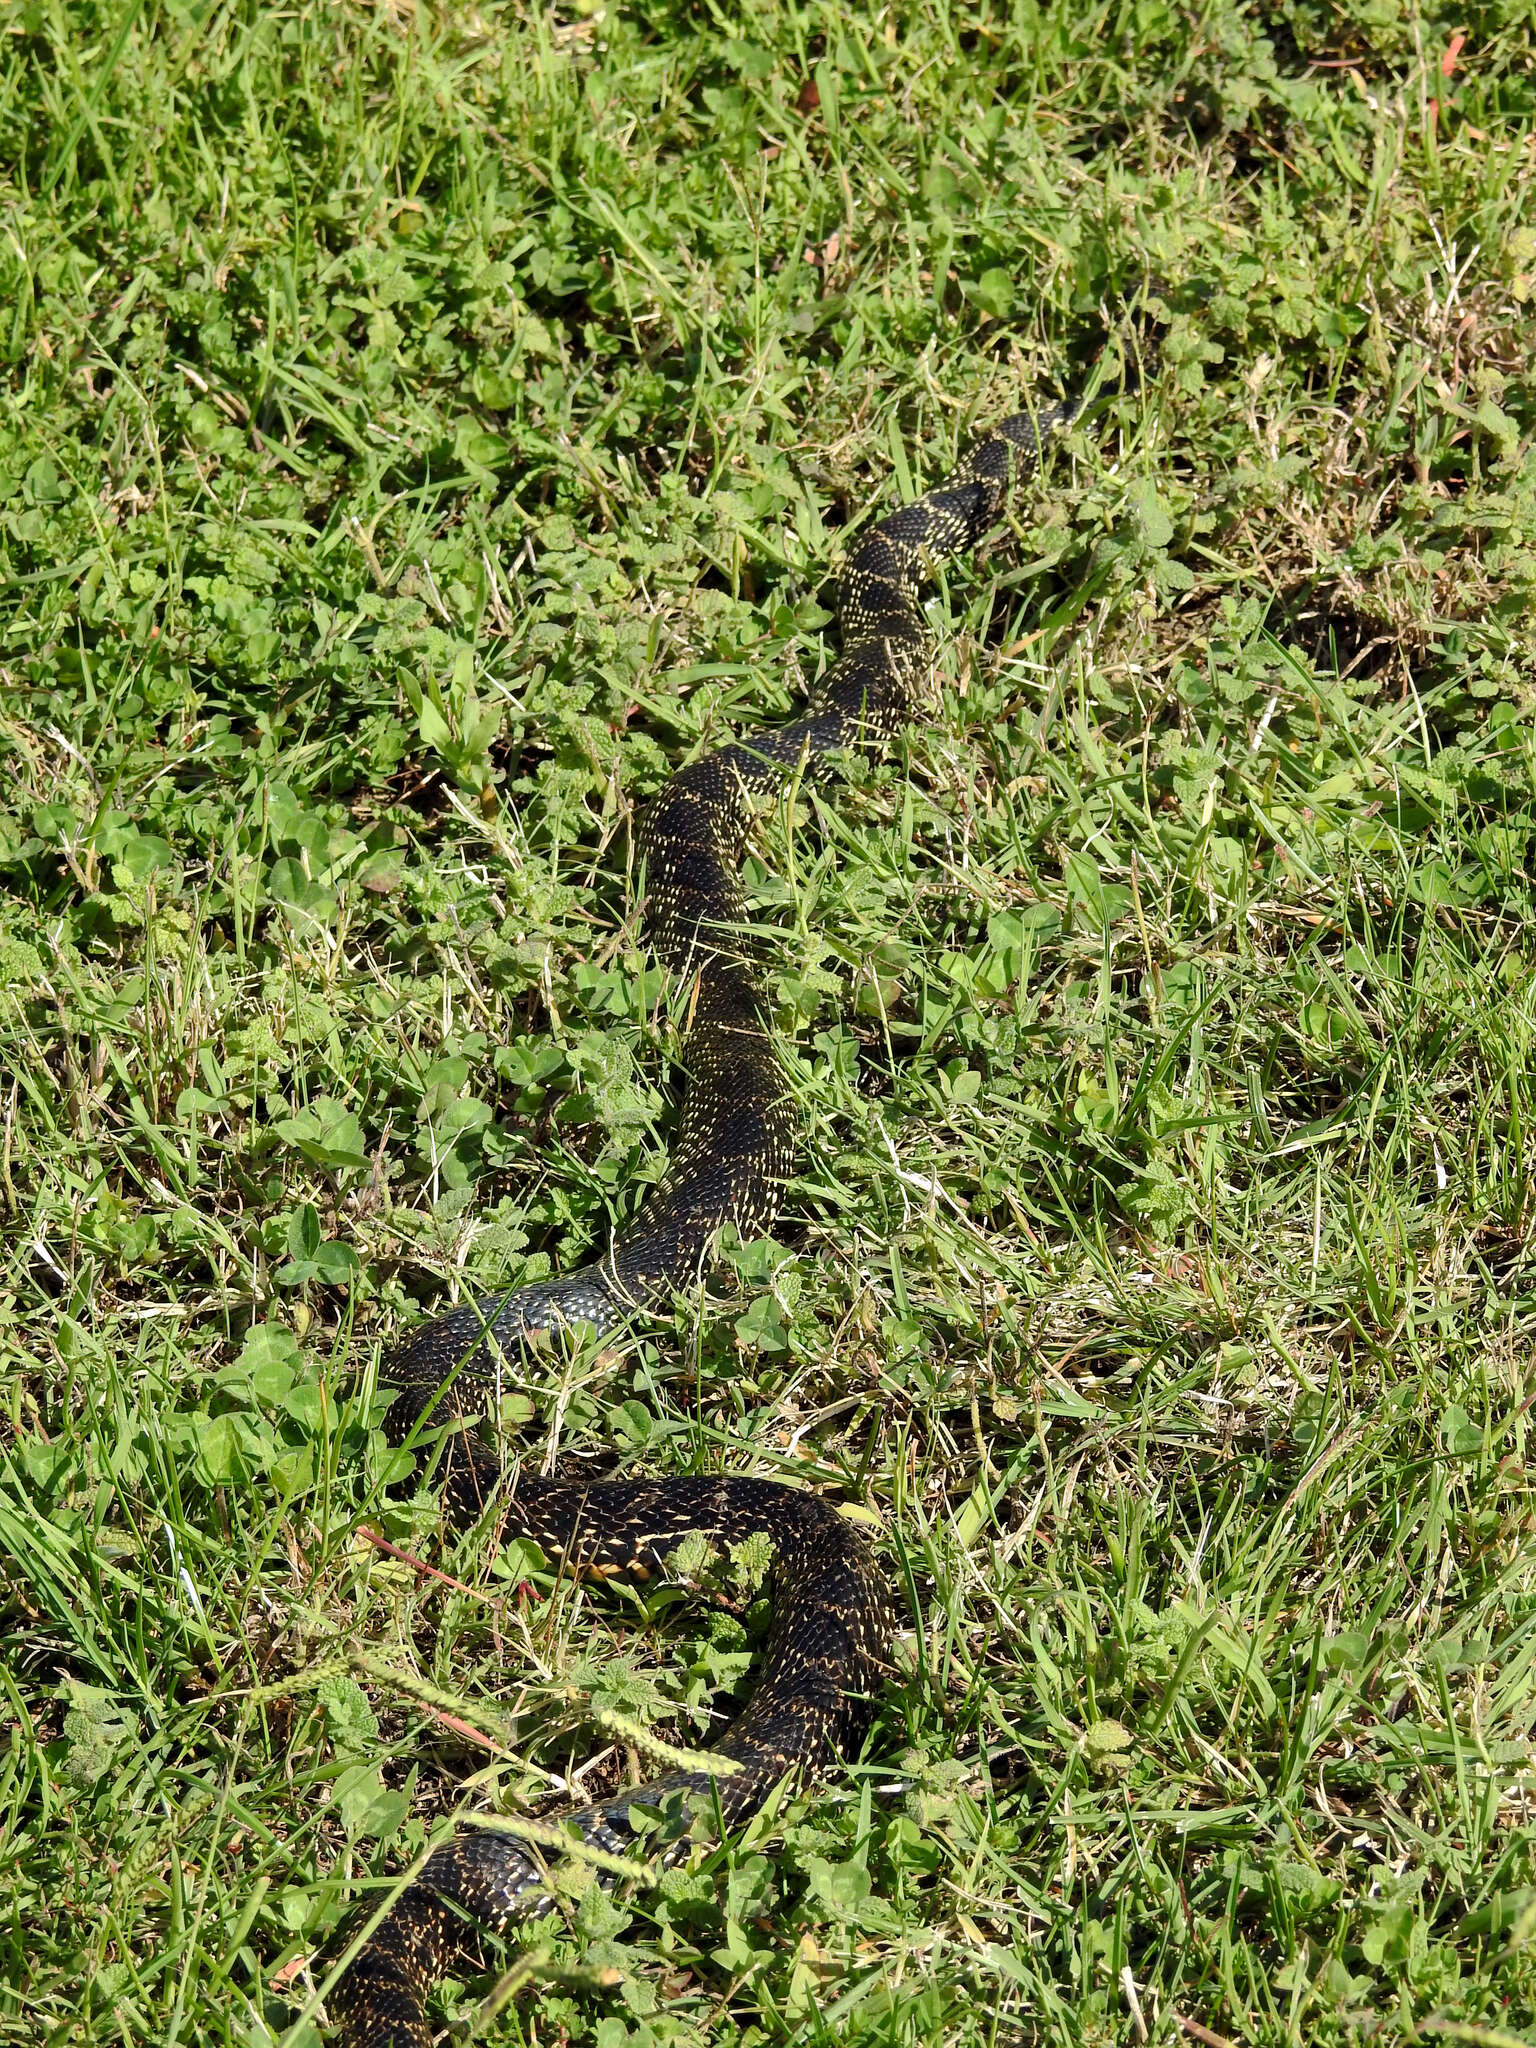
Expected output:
(831, 1619)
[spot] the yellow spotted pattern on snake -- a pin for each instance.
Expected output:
(735, 1151)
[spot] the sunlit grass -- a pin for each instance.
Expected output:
(419, 432)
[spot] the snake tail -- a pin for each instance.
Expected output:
(824, 1659)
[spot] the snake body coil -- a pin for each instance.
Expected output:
(734, 1153)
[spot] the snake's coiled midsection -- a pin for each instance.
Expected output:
(733, 1157)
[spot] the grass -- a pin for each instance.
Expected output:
(420, 430)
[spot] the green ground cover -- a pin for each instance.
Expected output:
(418, 431)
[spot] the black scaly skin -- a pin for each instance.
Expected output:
(735, 1151)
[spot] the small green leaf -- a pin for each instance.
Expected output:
(1396, 1934)
(327, 1134)
(1152, 516)
(336, 1263)
(1100, 903)
(762, 1327)
(42, 483)
(304, 1231)
(349, 1720)
(436, 732)
(306, 1404)
(1105, 1743)
(145, 855)
(268, 1344)
(220, 1446)
(97, 1728)
(1462, 1437)
(841, 1888)
(994, 291)
(367, 1805)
